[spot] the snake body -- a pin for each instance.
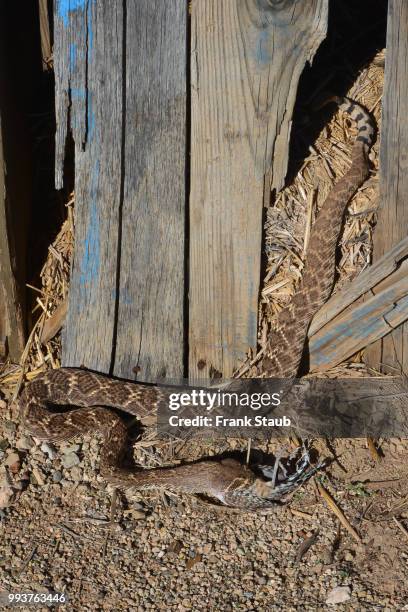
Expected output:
(228, 481)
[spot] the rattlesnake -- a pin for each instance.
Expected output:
(226, 480)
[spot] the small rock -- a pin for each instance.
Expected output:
(73, 448)
(13, 462)
(24, 443)
(49, 450)
(348, 556)
(10, 426)
(8, 495)
(138, 515)
(69, 460)
(38, 477)
(76, 474)
(4, 444)
(339, 594)
(57, 476)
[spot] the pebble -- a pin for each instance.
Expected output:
(4, 444)
(339, 594)
(57, 476)
(13, 462)
(138, 515)
(9, 426)
(7, 496)
(76, 473)
(73, 448)
(24, 443)
(38, 477)
(70, 459)
(49, 450)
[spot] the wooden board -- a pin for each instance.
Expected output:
(246, 59)
(11, 304)
(150, 327)
(120, 81)
(45, 33)
(391, 354)
(374, 279)
(361, 324)
(88, 65)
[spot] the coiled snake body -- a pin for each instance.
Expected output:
(227, 480)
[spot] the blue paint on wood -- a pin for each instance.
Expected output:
(90, 117)
(78, 93)
(366, 323)
(90, 262)
(263, 48)
(90, 29)
(72, 56)
(65, 7)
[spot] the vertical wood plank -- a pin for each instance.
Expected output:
(89, 91)
(391, 353)
(246, 59)
(45, 34)
(11, 303)
(150, 335)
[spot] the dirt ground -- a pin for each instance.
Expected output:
(64, 530)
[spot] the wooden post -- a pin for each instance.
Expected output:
(246, 60)
(120, 80)
(391, 353)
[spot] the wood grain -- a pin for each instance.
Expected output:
(391, 354)
(150, 328)
(121, 90)
(246, 59)
(376, 276)
(45, 34)
(362, 324)
(11, 306)
(89, 92)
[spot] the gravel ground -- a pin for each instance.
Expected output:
(63, 529)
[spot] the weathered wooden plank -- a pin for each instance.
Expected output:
(246, 59)
(392, 224)
(360, 325)
(45, 34)
(11, 306)
(89, 86)
(150, 330)
(74, 55)
(370, 278)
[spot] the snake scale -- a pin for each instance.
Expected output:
(228, 481)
